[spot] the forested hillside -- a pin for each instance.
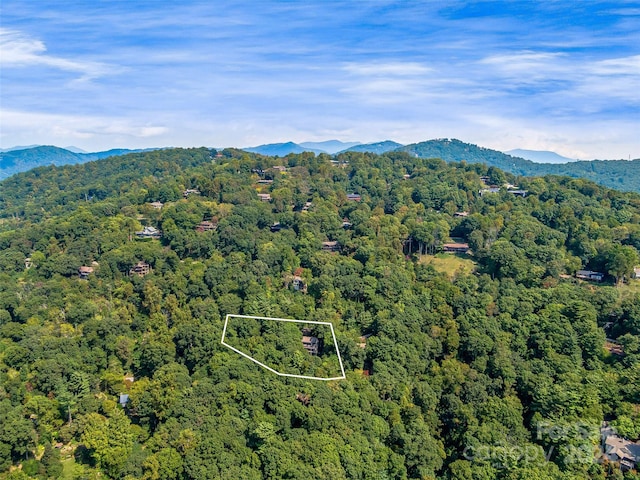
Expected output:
(618, 174)
(497, 371)
(21, 160)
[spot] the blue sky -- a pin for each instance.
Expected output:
(99, 74)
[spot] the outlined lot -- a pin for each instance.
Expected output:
(286, 347)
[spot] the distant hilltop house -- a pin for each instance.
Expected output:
(264, 197)
(354, 197)
(299, 285)
(590, 275)
(346, 224)
(455, 248)
(149, 232)
(332, 246)
(496, 189)
(307, 206)
(280, 168)
(84, 272)
(619, 450)
(636, 272)
(190, 191)
(461, 214)
(206, 226)
(141, 269)
(157, 205)
(311, 344)
(264, 182)
(276, 227)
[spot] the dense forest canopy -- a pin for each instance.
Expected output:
(499, 371)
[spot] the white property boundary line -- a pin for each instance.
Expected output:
(335, 343)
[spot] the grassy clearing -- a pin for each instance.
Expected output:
(450, 264)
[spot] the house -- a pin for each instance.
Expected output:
(489, 190)
(484, 179)
(140, 268)
(619, 450)
(280, 168)
(353, 197)
(636, 272)
(330, 246)
(157, 205)
(190, 191)
(311, 344)
(589, 275)
(455, 247)
(346, 224)
(276, 227)
(264, 197)
(518, 193)
(461, 214)
(84, 272)
(613, 347)
(363, 340)
(264, 182)
(149, 232)
(307, 206)
(206, 226)
(299, 285)
(123, 399)
(28, 263)
(406, 176)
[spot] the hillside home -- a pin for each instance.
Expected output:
(280, 168)
(264, 197)
(190, 191)
(636, 272)
(206, 226)
(619, 450)
(157, 205)
(311, 344)
(455, 248)
(590, 275)
(84, 272)
(354, 197)
(518, 193)
(149, 232)
(330, 246)
(140, 268)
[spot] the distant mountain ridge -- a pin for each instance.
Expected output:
(539, 156)
(618, 174)
(329, 146)
(378, 147)
(280, 149)
(14, 161)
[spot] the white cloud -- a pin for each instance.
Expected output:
(19, 50)
(90, 131)
(393, 69)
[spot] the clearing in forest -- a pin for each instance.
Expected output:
(450, 264)
(286, 347)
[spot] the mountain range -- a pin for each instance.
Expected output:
(539, 156)
(14, 160)
(618, 174)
